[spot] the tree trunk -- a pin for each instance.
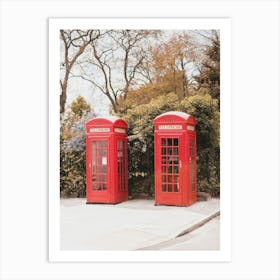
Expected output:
(62, 99)
(63, 95)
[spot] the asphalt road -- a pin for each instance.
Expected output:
(206, 237)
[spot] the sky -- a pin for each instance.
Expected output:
(99, 103)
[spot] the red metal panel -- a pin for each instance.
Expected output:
(102, 179)
(175, 174)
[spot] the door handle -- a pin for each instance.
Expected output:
(180, 164)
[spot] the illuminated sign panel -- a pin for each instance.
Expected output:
(171, 126)
(99, 129)
(119, 130)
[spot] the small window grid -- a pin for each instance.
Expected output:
(99, 165)
(192, 165)
(170, 164)
(121, 166)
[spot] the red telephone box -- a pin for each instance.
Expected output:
(175, 159)
(106, 160)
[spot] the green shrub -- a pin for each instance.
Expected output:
(141, 142)
(73, 149)
(206, 112)
(72, 173)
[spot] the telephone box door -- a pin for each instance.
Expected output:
(169, 185)
(192, 169)
(122, 165)
(98, 169)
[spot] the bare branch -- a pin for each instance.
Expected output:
(90, 81)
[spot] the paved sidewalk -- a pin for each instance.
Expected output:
(206, 237)
(130, 225)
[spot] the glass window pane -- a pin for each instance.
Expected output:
(170, 164)
(192, 165)
(99, 165)
(169, 169)
(93, 148)
(169, 178)
(121, 165)
(169, 151)
(169, 188)
(169, 141)
(163, 160)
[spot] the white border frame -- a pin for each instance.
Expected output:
(55, 254)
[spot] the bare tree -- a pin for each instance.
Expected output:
(74, 43)
(116, 57)
(97, 67)
(133, 44)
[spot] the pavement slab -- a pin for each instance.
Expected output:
(129, 225)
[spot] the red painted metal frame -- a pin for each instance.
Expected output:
(111, 130)
(183, 192)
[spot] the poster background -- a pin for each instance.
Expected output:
(255, 139)
(224, 253)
